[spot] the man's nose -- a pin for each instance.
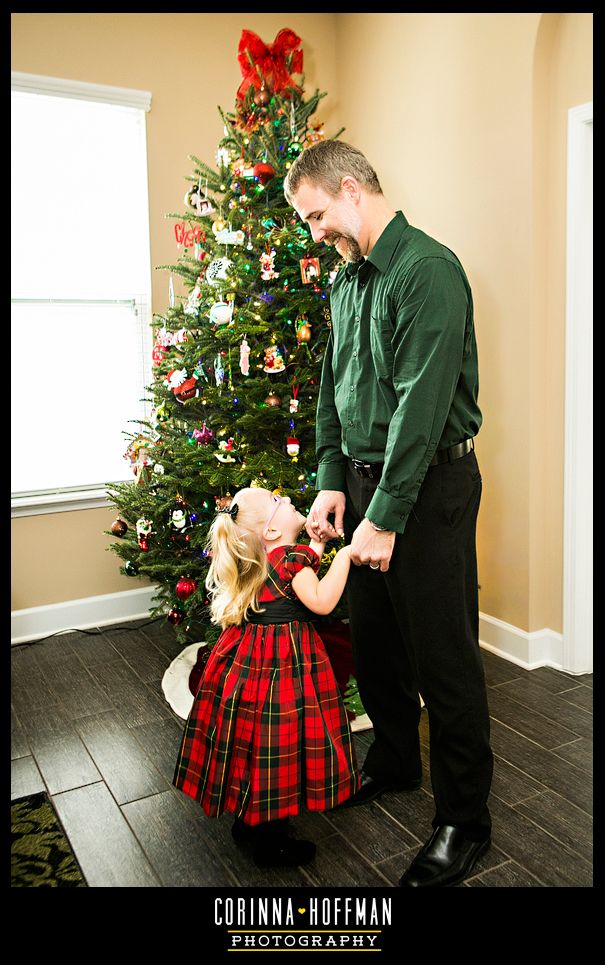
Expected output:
(317, 233)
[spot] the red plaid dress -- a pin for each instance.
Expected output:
(268, 732)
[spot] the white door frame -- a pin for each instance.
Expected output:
(578, 487)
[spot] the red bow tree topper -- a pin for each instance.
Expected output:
(269, 66)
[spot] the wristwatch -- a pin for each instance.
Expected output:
(379, 529)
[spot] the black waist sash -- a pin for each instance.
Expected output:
(282, 610)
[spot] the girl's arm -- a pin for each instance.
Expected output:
(321, 596)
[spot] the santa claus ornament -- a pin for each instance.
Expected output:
(182, 385)
(267, 263)
(293, 448)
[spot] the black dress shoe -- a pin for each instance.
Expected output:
(447, 858)
(371, 788)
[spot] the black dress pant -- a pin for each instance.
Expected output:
(414, 631)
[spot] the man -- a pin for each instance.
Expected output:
(396, 417)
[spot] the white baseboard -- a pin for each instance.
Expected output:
(542, 648)
(92, 611)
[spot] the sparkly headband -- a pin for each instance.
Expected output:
(231, 511)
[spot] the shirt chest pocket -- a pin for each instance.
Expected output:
(381, 345)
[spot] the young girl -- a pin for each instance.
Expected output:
(268, 732)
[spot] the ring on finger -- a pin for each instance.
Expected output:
(374, 566)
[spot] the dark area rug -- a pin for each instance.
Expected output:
(41, 856)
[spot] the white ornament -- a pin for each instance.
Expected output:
(193, 301)
(227, 237)
(217, 270)
(221, 313)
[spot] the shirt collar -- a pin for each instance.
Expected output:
(384, 249)
(352, 267)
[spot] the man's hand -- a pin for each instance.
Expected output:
(373, 547)
(317, 525)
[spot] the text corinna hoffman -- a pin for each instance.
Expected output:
(314, 912)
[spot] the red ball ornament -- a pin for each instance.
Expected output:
(185, 587)
(264, 172)
(175, 616)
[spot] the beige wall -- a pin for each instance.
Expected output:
(464, 117)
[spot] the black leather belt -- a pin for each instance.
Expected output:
(454, 452)
(373, 470)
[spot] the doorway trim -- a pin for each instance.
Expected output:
(578, 486)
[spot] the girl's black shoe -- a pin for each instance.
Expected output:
(283, 852)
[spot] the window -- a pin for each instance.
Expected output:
(80, 288)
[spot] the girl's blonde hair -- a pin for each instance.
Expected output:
(239, 563)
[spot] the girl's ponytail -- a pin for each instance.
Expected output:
(238, 568)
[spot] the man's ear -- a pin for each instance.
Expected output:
(350, 187)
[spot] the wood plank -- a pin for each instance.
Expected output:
(498, 671)
(413, 810)
(553, 706)
(25, 778)
(216, 833)
(140, 653)
(93, 649)
(507, 875)
(579, 697)
(29, 685)
(162, 741)
(565, 822)
(19, 745)
(108, 852)
(543, 766)
(579, 753)
(512, 785)
(129, 694)
(73, 686)
(126, 769)
(60, 754)
(181, 857)
(373, 831)
(550, 861)
(339, 865)
(532, 724)
(164, 638)
(557, 681)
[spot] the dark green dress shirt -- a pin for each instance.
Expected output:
(400, 375)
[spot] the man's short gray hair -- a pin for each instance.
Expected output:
(325, 164)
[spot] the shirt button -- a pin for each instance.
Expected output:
(350, 424)
(352, 388)
(357, 318)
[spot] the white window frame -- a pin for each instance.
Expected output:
(81, 497)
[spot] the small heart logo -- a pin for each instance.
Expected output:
(301, 911)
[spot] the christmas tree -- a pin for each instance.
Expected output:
(237, 361)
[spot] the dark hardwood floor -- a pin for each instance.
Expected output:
(90, 725)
